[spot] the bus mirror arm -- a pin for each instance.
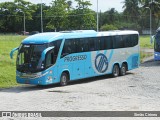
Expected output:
(44, 54)
(12, 51)
(152, 39)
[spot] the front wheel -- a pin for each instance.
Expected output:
(64, 79)
(115, 72)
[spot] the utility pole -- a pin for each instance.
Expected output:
(41, 18)
(97, 18)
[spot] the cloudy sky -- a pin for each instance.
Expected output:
(104, 5)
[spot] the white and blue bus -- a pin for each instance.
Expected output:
(60, 57)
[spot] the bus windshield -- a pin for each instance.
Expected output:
(157, 43)
(29, 57)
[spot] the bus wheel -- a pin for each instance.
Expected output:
(64, 79)
(115, 72)
(123, 70)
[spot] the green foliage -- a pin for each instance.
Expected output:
(64, 18)
(59, 13)
(145, 42)
(108, 27)
(109, 17)
(12, 15)
(7, 65)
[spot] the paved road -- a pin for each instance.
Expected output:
(139, 90)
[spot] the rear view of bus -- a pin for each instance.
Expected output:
(60, 57)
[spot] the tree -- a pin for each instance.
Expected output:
(82, 17)
(154, 5)
(131, 9)
(110, 16)
(13, 15)
(58, 15)
(107, 27)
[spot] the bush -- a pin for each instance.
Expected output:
(108, 27)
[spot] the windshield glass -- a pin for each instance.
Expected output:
(28, 58)
(157, 43)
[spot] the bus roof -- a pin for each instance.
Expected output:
(47, 37)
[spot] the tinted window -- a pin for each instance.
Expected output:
(92, 46)
(79, 45)
(98, 43)
(127, 40)
(69, 47)
(109, 42)
(85, 44)
(134, 39)
(118, 42)
(57, 45)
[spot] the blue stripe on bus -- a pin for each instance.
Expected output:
(111, 54)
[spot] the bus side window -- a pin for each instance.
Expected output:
(134, 39)
(127, 42)
(86, 44)
(67, 48)
(92, 44)
(57, 45)
(78, 46)
(97, 42)
(108, 42)
(81, 42)
(118, 42)
(102, 43)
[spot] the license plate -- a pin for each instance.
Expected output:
(27, 81)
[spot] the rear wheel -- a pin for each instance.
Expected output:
(64, 79)
(115, 72)
(123, 70)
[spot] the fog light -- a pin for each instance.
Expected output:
(40, 81)
(49, 79)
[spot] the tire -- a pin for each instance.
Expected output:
(115, 71)
(123, 70)
(64, 79)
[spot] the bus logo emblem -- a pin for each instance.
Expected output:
(101, 63)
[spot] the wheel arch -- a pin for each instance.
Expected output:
(116, 63)
(67, 72)
(125, 62)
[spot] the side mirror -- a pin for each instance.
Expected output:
(12, 51)
(152, 39)
(44, 54)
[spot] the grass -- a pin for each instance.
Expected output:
(145, 42)
(8, 66)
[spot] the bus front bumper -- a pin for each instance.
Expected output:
(35, 79)
(157, 56)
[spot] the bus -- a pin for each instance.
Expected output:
(156, 39)
(60, 57)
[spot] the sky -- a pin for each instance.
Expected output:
(103, 5)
